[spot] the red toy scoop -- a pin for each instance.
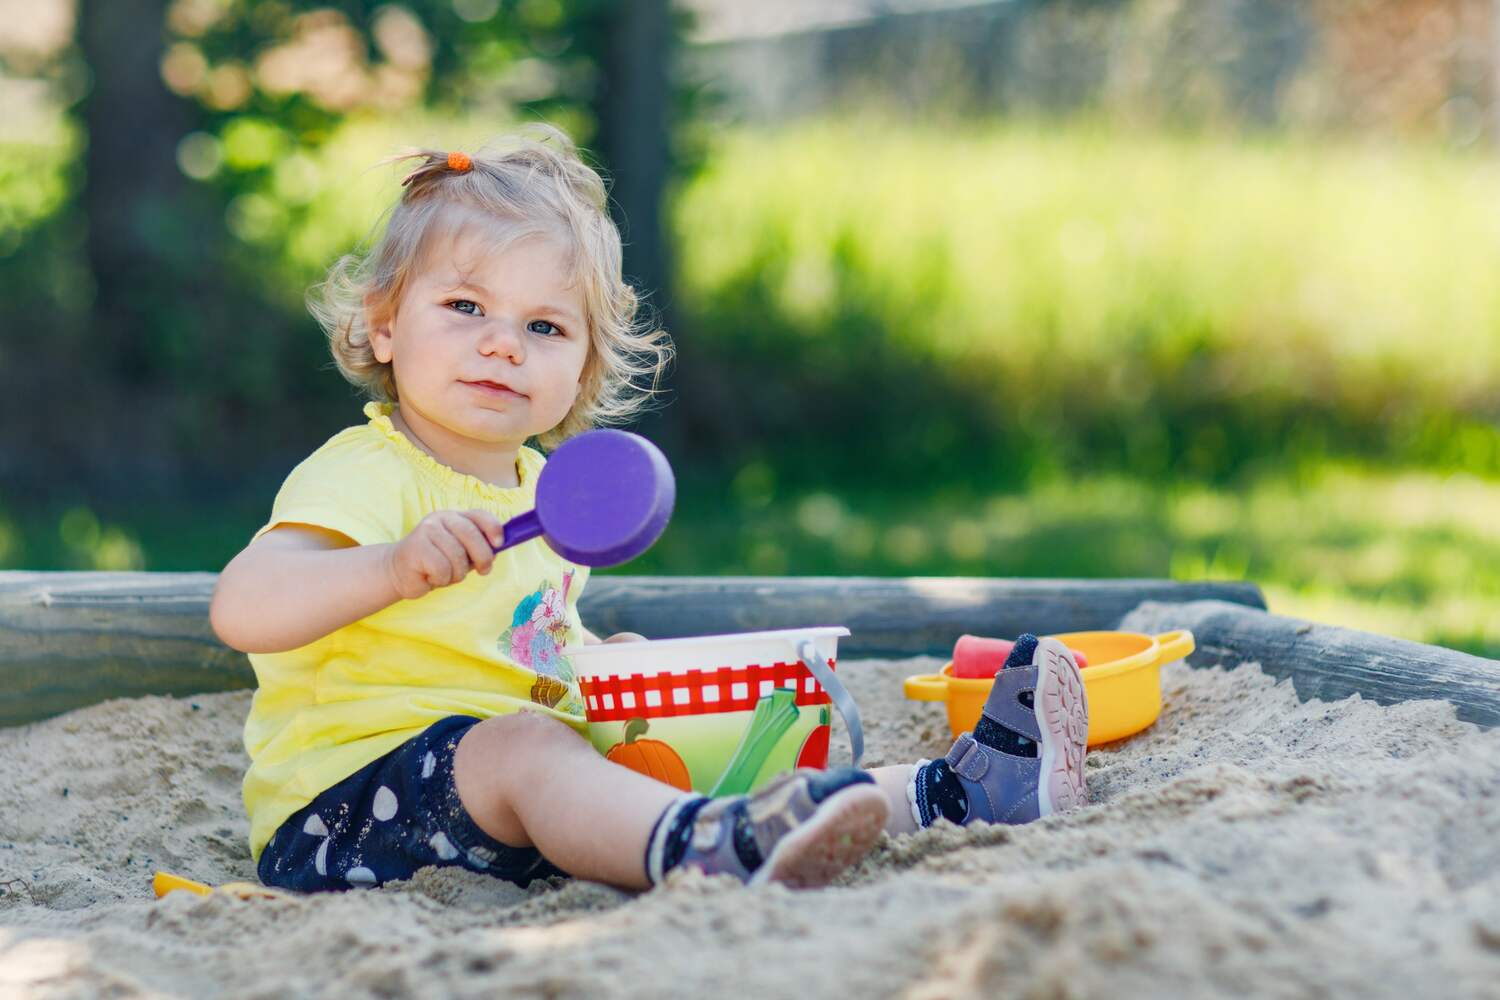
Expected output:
(976, 657)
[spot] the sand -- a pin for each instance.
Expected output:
(1247, 845)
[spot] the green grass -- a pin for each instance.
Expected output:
(1413, 555)
(1148, 302)
(1050, 297)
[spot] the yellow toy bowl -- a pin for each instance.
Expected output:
(1123, 681)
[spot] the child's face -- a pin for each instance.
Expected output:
(488, 347)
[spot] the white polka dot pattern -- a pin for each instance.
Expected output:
(385, 804)
(360, 876)
(443, 846)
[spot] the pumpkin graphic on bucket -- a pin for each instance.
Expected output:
(653, 758)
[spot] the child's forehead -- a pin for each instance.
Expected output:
(457, 255)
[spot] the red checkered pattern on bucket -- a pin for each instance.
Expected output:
(696, 692)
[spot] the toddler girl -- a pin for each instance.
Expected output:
(412, 706)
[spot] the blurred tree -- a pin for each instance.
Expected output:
(633, 106)
(134, 124)
(638, 114)
(192, 108)
(601, 67)
(164, 312)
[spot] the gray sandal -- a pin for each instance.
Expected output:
(801, 830)
(1003, 787)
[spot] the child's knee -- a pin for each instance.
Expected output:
(518, 733)
(485, 772)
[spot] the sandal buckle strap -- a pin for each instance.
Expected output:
(967, 758)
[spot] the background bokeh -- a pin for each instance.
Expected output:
(1188, 288)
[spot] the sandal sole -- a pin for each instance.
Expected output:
(1062, 715)
(838, 835)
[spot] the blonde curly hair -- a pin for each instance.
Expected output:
(534, 182)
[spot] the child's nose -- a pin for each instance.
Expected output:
(505, 338)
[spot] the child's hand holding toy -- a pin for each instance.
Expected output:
(442, 549)
(603, 498)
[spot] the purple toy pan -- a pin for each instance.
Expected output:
(603, 498)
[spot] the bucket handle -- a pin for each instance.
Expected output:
(808, 653)
(926, 687)
(1172, 646)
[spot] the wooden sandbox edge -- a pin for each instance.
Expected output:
(74, 639)
(1327, 662)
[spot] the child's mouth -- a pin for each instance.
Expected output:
(495, 389)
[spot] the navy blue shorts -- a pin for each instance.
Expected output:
(389, 818)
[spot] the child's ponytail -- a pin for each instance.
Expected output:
(435, 164)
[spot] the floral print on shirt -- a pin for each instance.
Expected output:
(537, 634)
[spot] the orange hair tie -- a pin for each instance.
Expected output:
(460, 162)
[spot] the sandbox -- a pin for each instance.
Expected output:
(1252, 842)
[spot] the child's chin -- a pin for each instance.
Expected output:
(489, 427)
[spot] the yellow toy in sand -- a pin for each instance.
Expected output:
(1123, 681)
(165, 882)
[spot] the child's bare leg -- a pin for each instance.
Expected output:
(893, 780)
(529, 780)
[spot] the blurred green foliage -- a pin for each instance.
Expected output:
(1013, 301)
(1003, 349)
(162, 188)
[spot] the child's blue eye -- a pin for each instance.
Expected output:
(544, 328)
(460, 303)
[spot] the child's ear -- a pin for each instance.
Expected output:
(378, 322)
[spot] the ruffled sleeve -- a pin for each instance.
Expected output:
(352, 485)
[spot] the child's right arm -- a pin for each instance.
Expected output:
(298, 583)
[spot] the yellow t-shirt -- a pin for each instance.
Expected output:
(485, 646)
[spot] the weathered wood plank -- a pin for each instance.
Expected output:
(895, 616)
(72, 639)
(1327, 662)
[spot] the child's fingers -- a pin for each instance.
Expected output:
(492, 527)
(478, 551)
(432, 565)
(426, 562)
(449, 560)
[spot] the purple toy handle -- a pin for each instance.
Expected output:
(602, 499)
(521, 528)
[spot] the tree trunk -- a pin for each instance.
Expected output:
(155, 251)
(634, 107)
(634, 110)
(134, 124)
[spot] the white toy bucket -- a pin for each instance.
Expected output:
(719, 714)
